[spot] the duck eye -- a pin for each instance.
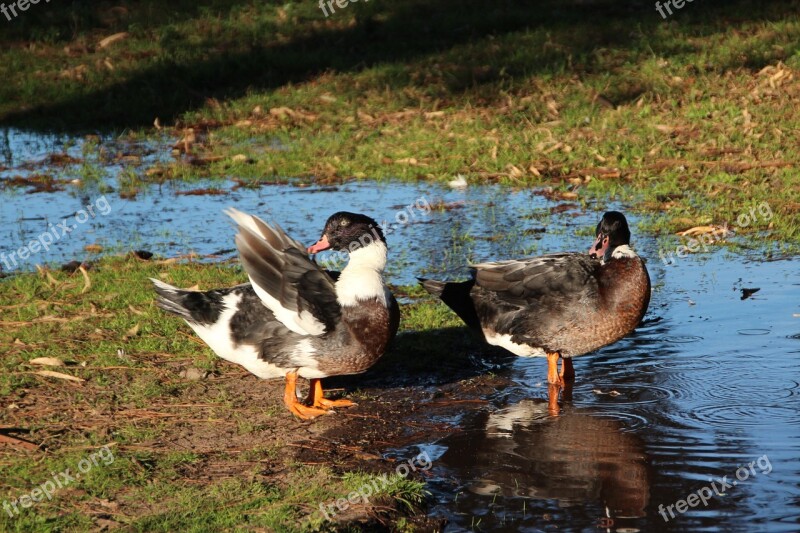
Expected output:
(344, 222)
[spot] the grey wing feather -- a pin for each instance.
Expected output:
(526, 281)
(279, 266)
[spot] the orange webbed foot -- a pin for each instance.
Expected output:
(324, 403)
(305, 412)
(317, 399)
(299, 410)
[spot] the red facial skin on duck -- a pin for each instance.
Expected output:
(599, 247)
(320, 245)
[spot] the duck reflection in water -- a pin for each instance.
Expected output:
(529, 450)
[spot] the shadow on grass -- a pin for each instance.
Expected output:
(477, 40)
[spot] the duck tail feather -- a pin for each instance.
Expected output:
(172, 299)
(456, 295)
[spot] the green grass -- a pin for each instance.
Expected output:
(239, 472)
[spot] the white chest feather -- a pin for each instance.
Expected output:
(362, 279)
(504, 341)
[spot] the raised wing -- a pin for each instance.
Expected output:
(522, 282)
(294, 288)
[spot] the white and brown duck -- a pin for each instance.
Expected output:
(559, 305)
(294, 318)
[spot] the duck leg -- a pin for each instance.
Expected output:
(317, 399)
(567, 370)
(553, 377)
(290, 399)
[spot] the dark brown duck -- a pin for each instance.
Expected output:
(558, 305)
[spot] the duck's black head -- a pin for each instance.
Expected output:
(348, 232)
(612, 231)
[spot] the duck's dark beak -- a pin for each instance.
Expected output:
(600, 246)
(320, 245)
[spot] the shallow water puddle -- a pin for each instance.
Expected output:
(707, 385)
(428, 226)
(692, 396)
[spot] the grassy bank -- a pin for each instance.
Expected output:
(694, 118)
(193, 443)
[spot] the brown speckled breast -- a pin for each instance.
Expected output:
(624, 294)
(371, 327)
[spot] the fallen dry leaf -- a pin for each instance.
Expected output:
(46, 361)
(281, 112)
(407, 161)
(59, 375)
(87, 283)
(111, 39)
(553, 148)
(514, 171)
(131, 332)
(13, 441)
(701, 230)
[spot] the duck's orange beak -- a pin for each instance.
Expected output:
(600, 246)
(320, 245)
